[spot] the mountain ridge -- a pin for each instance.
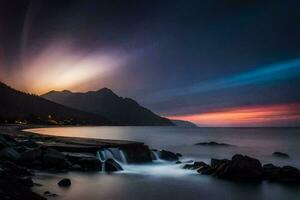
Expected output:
(19, 106)
(108, 104)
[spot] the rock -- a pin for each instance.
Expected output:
(195, 165)
(287, 175)
(178, 162)
(111, 166)
(206, 170)
(7, 141)
(178, 154)
(90, 164)
(241, 168)
(137, 153)
(76, 167)
(64, 182)
(212, 144)
(270, 171)
(168, 155)
(9, 153)
(10, 168)
(215, 163)
(280, 154)
(31, 155)
(47, 193)
(54, 159)
(29, 143)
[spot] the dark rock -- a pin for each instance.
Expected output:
(47, 193)
(194, 166)
(31, 155)
(178, 154)
(137, 153)
(270, 171)
(215, 163)
(90, 164)
(6, 141)
(64, 182)
(112, 166)
(10, 168)
(280, 154)
(76, 167)
(178, 162)
(212, 144)
(288, 175)
(9, 153)
(29, 143)
(206, 170)
(168, 155)
(54, 159)
(241, 168)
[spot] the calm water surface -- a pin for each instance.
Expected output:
(166, 181)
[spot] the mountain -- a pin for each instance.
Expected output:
(16, 106)
(182, 123)
(106, 103)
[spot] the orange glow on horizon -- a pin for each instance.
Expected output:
(246, 116)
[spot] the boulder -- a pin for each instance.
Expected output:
(288, 175)
(137, 153)
(168, 155)
(31, 155)
(9, 153)
(241, 168)
(90, 164)
(195, 165)
(54, 159)
(64, 182)
(215, 163)
(111, 165)
(270, 171)
(206, 170)
(280, 154)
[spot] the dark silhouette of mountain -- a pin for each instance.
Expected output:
(16, 106)
(106, 103)
(182, 123)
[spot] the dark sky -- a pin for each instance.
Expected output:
(175, 57)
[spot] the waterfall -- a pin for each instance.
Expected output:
(113, 153)
(154, 155)
(123, 156)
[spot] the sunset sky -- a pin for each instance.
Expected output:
(216, 63)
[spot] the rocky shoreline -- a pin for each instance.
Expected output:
(23, 153)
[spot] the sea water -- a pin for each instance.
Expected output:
(163, 180)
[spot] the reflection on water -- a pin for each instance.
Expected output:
(162, 180)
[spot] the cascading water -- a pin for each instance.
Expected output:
(154, 155)
(112, 153)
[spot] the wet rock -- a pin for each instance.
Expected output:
(9, 153)
(76, 167)
(195, 165)
(12, 169)
(168, 155)
(90, 164)
(112, 166)
(137, 153)
(6, 141)
(178, 162)
(31, 155)
(287, 175)
(178, 154)
(212, 144)
(280, 154)
(270, 171)
(216, 163)
(206, 170)
(64, 182)
(54, 159)
(241, 168)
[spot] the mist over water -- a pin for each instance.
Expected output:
(164, 180)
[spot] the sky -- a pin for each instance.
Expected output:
(215, 63)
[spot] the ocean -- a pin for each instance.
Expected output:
(168, 181)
